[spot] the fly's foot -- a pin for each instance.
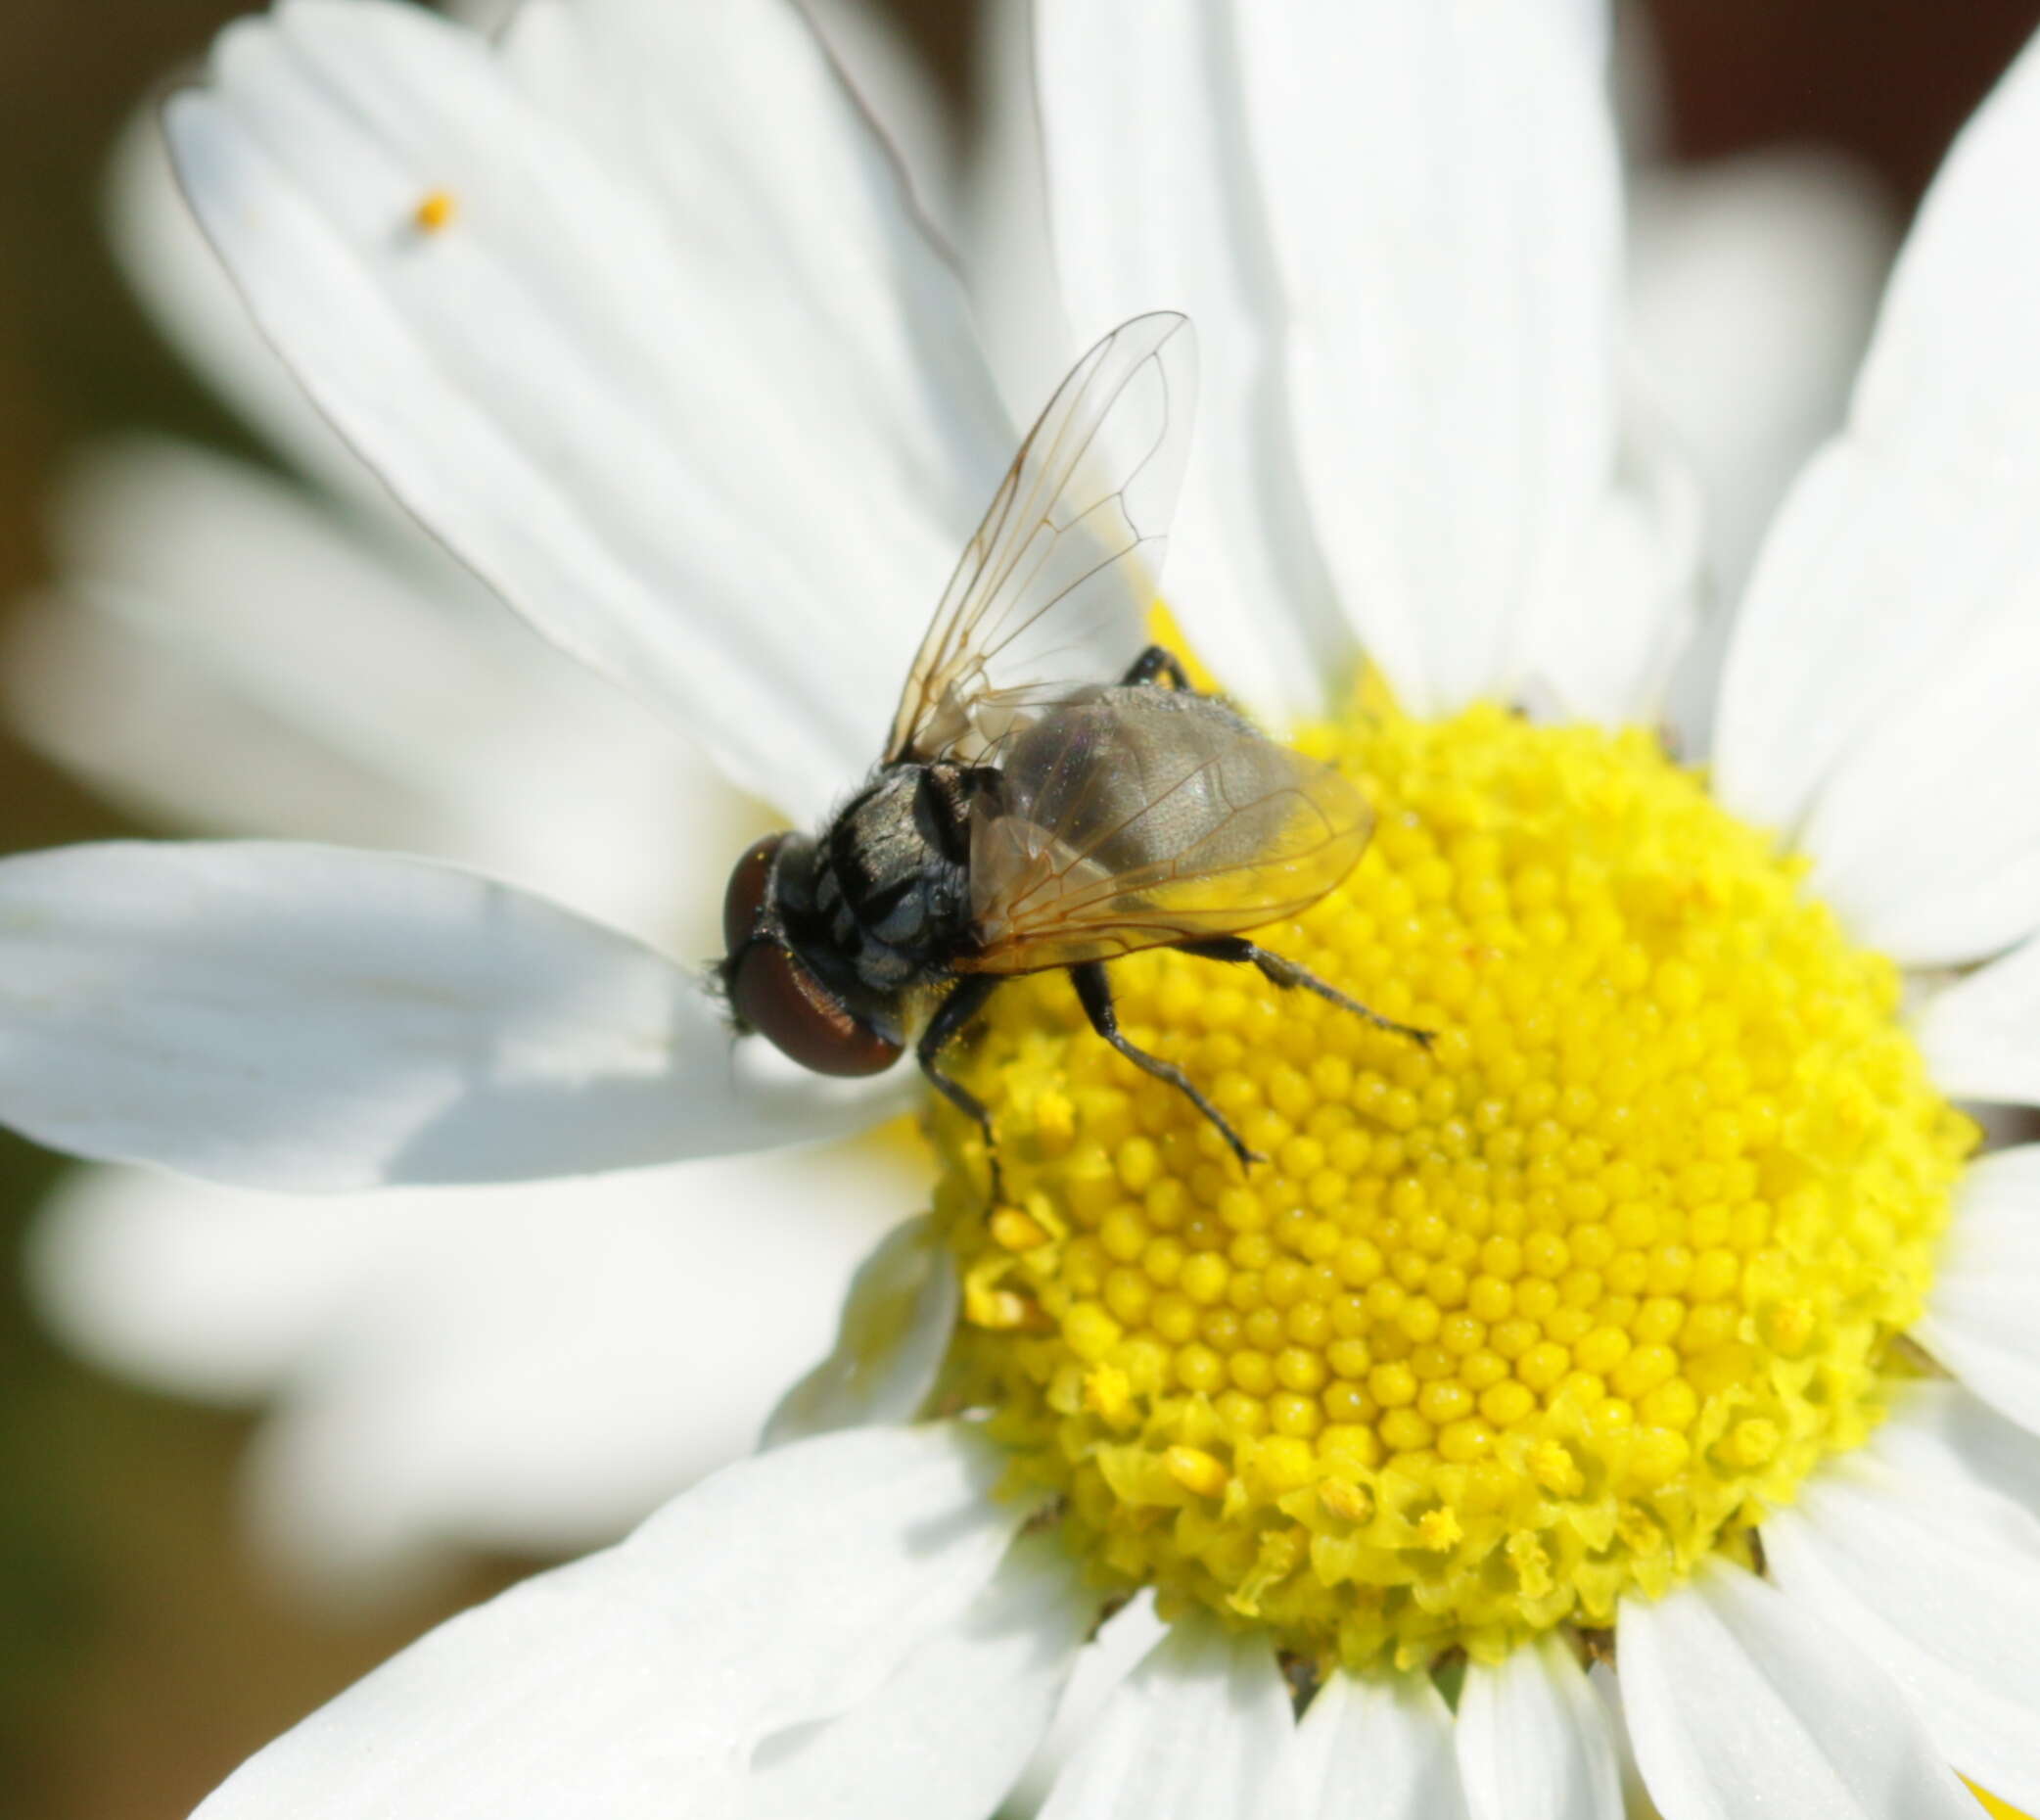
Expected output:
(1156, 664)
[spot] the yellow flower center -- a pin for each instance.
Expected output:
(1503, 1330)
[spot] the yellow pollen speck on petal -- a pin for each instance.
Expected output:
(1503, 1328)
(436, 212)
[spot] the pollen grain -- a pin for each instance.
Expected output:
(436, 212)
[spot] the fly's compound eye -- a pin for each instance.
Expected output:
(745, 894)
(773, 993)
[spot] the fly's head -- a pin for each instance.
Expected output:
(771, 989)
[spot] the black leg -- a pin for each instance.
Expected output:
(1287, 974)
(1094, 990)
(1156, 661)
(966, 998)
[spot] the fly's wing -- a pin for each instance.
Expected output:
(1054, 588)
(1133, 818)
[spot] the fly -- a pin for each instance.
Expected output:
(1026, 814)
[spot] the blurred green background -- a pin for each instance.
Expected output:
(140, 1656)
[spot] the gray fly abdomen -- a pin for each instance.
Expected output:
(1134, 776)
(1131, 817)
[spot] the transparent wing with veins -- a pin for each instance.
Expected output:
(1053, 591)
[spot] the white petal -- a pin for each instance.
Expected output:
(1940, 1585)
(1743, 1705)
(944, 1739)
(165, 256)
(529, 1369)
(1534, 1742)
(1753, 281)
(1004, 235)
(279, 1016)
(895, 84)
(823, 265)
(197, 1291)
(186, 752)
(271, 652)
(1980, 1319)
(1884, 562)
(1977, 1034)
(1391, 1735)
(1199, 1731)
(1915, 837)
(1608, 637)
(720, 450)
(1151, 200)
(625, 1336)
(1939, 1430)
(1441, 198)
(637, 1682)
(1607, 1689)
(1121, 1644)
(896, 1326)
(482, 15)
(1900, 548)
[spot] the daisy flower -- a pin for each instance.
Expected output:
(431, 1364)
(1659, 1313)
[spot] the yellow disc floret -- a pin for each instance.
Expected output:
(1501, 1329)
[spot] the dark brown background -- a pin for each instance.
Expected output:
(139, 1660)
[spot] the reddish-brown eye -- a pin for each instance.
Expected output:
(779, 999)
(745, 895)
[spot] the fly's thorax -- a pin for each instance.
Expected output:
(881, 897)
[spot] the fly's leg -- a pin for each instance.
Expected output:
(1156, 661)
(965, 1000)
(1288, 975)
(1095, 991)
